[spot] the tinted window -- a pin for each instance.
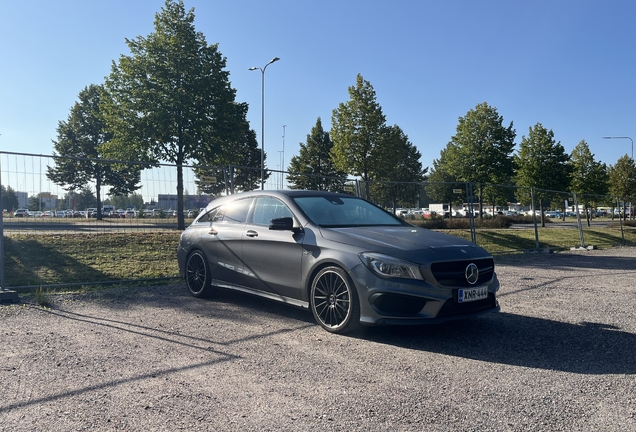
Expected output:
(214, 215)
(236, 211)
(268, 208)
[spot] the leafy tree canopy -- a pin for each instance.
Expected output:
(622, 178)
(171, 99)
(9, 198)
(541, 163)
(481, 149)
(313, 167)
(587, 176)
(357, 128)
(79, 145)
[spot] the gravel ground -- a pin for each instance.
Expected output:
(560, 356)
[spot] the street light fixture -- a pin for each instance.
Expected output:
(622, 137)
(275, 59)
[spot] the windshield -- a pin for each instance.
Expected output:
(329, 211)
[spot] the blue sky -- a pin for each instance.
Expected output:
(569, 65)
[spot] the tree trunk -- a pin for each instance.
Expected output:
(98, 192)
(180, 221)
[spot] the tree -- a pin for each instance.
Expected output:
(357, 128)
(242, 157)
(588, 178)
(34, 203)
(443, 182)
(79, 143)
(171, 100)
(622, 179)
(481, 149)
(398, 160)
(313, 167)
(86, 199)
(542, 163)
(365, 147)
(9, 198)
(134, 200)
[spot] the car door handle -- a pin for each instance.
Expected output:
(213, 231)
(251, 233)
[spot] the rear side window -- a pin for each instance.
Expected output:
(232, 212)
(214, 215)
(235, 211)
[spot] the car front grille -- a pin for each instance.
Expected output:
(453, 273)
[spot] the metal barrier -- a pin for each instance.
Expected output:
(34, 202)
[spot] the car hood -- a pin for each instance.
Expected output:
(411, 243)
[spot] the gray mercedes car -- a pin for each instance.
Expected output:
(344, 258)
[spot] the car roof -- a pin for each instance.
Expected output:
(291, 193)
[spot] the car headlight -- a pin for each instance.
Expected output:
(388, 266)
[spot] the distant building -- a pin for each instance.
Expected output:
(49, 201)
(23, 199)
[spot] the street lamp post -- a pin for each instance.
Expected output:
(282, 162)
(275, 59)
(622, 137)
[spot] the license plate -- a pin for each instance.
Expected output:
(471, 294)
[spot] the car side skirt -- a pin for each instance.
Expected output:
(267, 295)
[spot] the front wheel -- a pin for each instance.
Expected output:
(334, 301)
(197, 275)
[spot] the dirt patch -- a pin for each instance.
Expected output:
(560, 356)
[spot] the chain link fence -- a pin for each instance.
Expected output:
(134, 205)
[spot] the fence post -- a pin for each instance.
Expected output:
(5, 294)
(232, 179)
(534, 220)
(227, 189)
(471, 213)
(578, 219)
(620, 220)
(1, 236)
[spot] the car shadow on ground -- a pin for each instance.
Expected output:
(504, 338)
(584, 348)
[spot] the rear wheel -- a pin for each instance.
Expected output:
(334, 301)
(197, 275)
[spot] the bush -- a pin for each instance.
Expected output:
(464, 223)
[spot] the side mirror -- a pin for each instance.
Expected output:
(283, 224)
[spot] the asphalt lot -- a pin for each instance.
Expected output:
(561, 356)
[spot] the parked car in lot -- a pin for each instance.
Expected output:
(21, 213)
(342, 257)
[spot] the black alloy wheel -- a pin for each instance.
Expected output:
(197, 275)
(334, 301)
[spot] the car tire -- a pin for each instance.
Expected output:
(334, 301)
(197, 275)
